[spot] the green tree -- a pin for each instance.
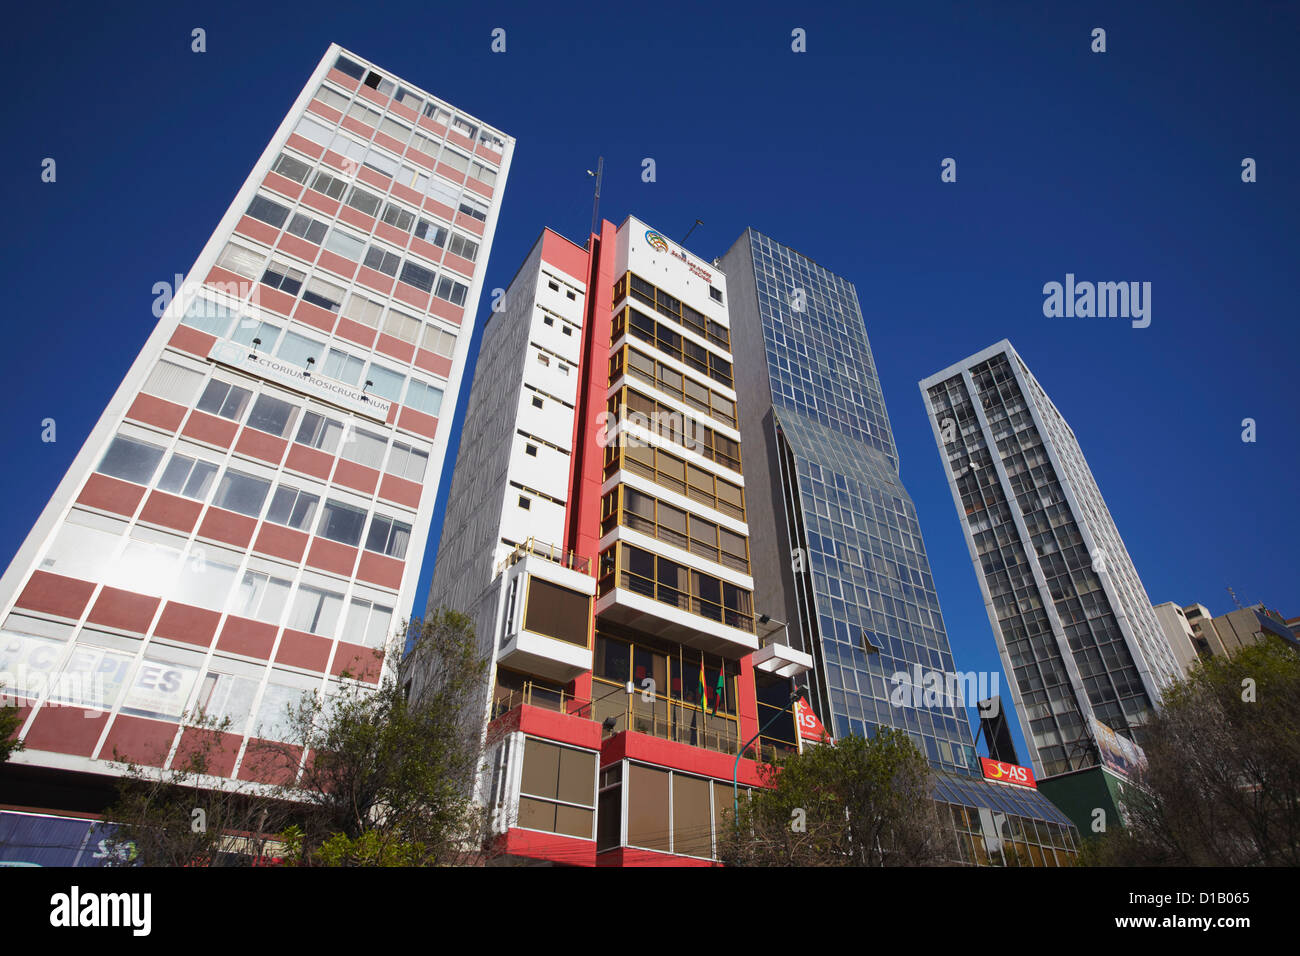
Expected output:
(1222, 784)
(388, 779)
(10, 723)
(861, 802)
(391, 776)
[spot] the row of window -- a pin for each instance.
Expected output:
(364, 111)
(631, 407)
(668, 379)
(178, 383)
(279, 272)
(354, 249)
(674, 308)
(656, 577)
(667, 340)
(363, 200)
(310, 355)
(95, 547)
(671, 472)
(430, 108)
(641, 512)
(381, 161)
(134, 460)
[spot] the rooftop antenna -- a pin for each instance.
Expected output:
(1234, 597)
(698, 222)
(595, 203)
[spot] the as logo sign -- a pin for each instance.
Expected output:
(1007, 773)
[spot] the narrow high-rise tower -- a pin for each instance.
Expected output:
(1075, 628)
(245, 521)
(596, 532)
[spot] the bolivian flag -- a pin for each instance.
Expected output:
(704, 690)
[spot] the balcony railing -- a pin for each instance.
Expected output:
(666, 594)
(663, 717)
(547, 698)
(565, 558)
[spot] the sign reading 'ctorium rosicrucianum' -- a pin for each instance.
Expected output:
(290, 376)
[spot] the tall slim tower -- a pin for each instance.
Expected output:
(244, 523)
(839, 563)
(596, 532)
(1074, 626)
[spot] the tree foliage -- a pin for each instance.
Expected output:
(364, 777)
(861, 802)
(10, 723)
(1222, 784)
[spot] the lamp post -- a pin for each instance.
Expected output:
(735, 773)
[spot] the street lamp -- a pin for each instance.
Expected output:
(735, 773)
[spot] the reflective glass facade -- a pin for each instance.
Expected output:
(859, 575)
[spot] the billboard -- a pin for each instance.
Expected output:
(1009, 773)
(1118, 754)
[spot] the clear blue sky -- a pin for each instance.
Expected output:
(1116, 166)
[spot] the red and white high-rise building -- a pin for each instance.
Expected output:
(596, 535)
(246, 520)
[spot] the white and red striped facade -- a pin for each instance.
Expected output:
(245, 522)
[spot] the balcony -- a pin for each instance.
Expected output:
(660, 597)
(546, 624)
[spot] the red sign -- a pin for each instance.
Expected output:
(810, 728)
(1008, 773)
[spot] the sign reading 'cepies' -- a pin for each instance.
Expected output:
(1008, 773)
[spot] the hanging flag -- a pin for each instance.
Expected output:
(720, 695)
(704, 690)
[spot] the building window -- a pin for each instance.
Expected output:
(305, 227)
(363, 310)
(187, 476)
(382, 261)
(341, 523)
(280, 275)
(317, 431)
(293, 508)
(299, 350)
(407, 462)
(175, 383)
(315, 610)
(241, 493)
(324, 294)
(130, 460)
(417, 276)
(343, 367)
(349, 247)
(364, 201)
(387, 383)
(557, 789)
(364, 448)
(424, 398)
(268, 211)
(451, 290)
(388, 536)
(261, 597)
(367, 623)
(291, 168)
(557, 612)
(439, 341)
(271, 415)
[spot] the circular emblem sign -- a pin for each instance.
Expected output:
(657, 242)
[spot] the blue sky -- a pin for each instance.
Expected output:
(1122, 166)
